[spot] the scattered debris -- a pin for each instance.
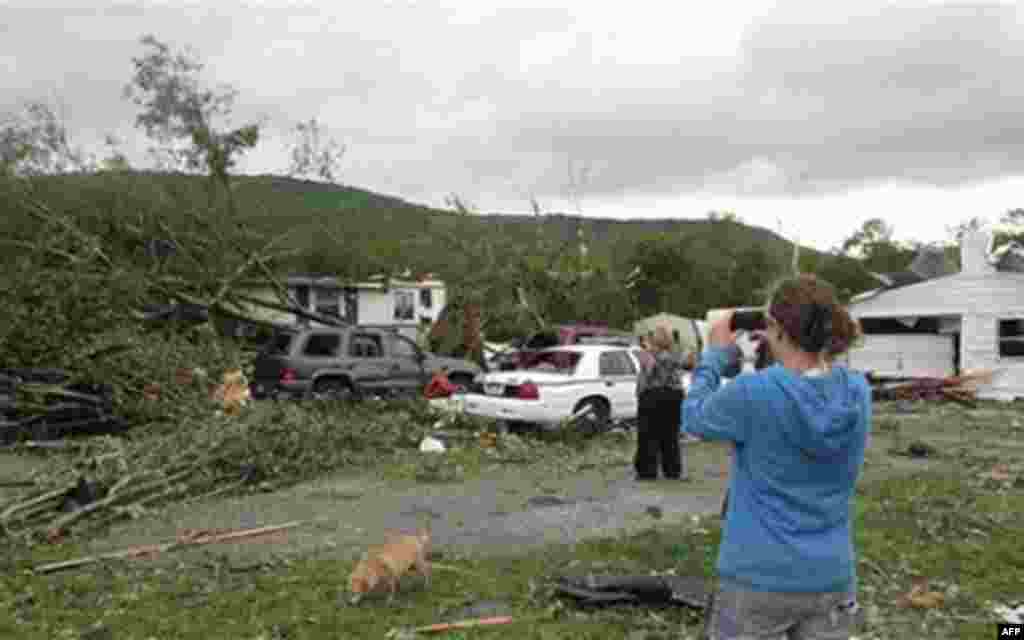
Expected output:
(961, 389)
(187, 538)
(432, 445)
(38, 404)
(152, 391)
(402, 634)
(916, 449)
(691, 591)
(999, 473)
(1013, 615)
(464, 624)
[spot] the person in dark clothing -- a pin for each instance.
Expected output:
(659, 399)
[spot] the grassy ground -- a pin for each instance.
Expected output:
(952, 524)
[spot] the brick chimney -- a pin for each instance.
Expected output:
(975, 247)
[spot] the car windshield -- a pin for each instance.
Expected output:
(553, 361)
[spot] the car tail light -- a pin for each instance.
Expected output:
(288, 375)
(528, 391)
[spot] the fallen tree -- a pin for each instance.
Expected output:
(210, 452)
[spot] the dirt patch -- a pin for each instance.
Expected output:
(505, 512)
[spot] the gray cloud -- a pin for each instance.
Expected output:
(495, 104)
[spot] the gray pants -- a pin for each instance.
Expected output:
(740, 614)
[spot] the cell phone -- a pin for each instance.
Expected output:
(748, 321)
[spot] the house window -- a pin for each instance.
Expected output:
(405, 305)
(1011, 338)
(426, 298)
(328, 302)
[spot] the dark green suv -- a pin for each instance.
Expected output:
(353, 361)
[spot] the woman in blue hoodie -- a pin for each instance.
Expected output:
(786, 565)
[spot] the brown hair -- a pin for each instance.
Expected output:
(662, 340)
(811, 315)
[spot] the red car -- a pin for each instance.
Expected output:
(559, 336)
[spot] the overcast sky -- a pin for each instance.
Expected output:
(812, 113)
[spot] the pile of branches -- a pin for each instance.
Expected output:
(63, 409)
(961, 389)
(265, 447)
(122, 289)
(110, 285)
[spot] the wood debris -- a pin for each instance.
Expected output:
(464, 624)
(961, 389)
(187, 538)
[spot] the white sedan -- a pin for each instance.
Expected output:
(557, 383)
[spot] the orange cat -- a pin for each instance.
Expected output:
(387, 563)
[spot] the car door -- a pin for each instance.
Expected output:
(618, 377)
(406, 365)
(370, 368)
(320, 350)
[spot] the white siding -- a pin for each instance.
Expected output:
(904, 355)
(440, 300)
(980, 350)
(375, 307)
(952, 295)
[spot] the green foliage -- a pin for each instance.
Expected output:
(35, 141)
(313, 154)
(187, 119)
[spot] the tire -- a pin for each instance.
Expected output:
(333, 389)
(463, 380)
(597, 420)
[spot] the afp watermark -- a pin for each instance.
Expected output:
(1011, 630)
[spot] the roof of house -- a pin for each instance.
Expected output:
(333, 281)
(897, 279)
(930, 262)
(993, 282)
(996, 292)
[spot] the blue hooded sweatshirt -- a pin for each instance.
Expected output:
(800, 443)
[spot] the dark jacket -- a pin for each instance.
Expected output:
(665, 373)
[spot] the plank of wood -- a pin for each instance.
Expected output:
(169, 546)
(464, 624)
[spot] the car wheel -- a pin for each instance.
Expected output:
(333, 389)
(461, 380)
(596, 419)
